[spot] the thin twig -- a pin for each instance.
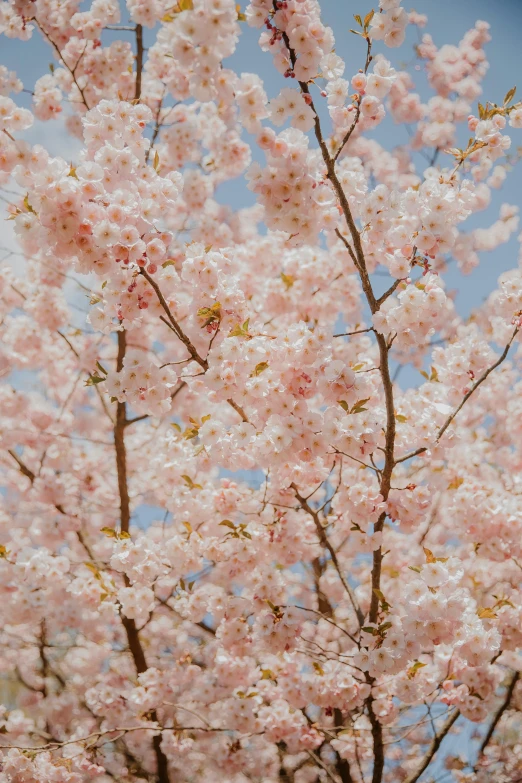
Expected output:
(466, 397)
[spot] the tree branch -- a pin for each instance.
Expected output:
(435, 745)
(139, 61)
(498, 715)
(133, 638)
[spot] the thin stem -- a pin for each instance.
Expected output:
(466, 397)
(327, 545)
(58, 52)
(173, 322)
(357, 331)
(358, 109)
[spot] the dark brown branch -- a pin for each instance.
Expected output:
(238, 409)
(133, 638)
(173, 322)
(357, 255)
(389, 292)
(435, 745)
(23, 467)
(343, 765)
(498, 715)
(139, 61)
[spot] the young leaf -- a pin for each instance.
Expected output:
(430, 557)
(109, 531)
(412, 671)
(359, 406)
(486, 613)
(260, 368)
(368, 18)
(288, 280)
(228, 523)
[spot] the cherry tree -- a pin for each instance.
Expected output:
(330, 585)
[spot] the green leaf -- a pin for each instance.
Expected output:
(344, 405)
(92, 380)
(412, 671)
(359, 406)
(509, 95)
(369, 629)
(228, 523)
(416, 569)
(240, 330)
